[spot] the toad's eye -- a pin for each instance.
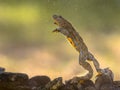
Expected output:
(60, 16)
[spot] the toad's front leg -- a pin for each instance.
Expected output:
(62, 30)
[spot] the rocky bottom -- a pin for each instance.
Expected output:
(21, 81)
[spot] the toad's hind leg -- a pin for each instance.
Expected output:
(87, 66)
(95, 62)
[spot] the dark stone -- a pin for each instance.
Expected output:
(20, 81)
(19, 88)
(88, 85)
(56, 84)
(2, 70)
(69, 86)
(107, 87)
(90, 88)
(117, 85)
(77, 84)
(104, 82)
(38, 81)
(11, 80)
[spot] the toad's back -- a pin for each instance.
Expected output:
(73, 37)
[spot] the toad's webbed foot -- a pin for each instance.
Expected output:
(100, 71)
(106, 71)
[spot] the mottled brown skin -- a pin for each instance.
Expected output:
(77, 42)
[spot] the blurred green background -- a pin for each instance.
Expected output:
(28, 45)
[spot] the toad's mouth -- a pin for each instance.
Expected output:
(56, 30)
